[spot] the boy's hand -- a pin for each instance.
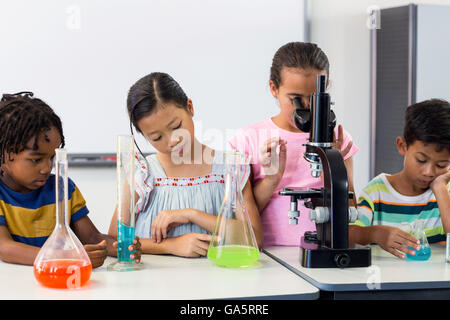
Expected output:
(136, 247)
(396, 241)
(165, 220)
(96, 252)
(191, 245)
(273, 164)
(339, 142)
(440, 181)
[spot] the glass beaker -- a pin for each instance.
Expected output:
(424, 252)
(233, 242)
(62, 261)
(125, 205)
(447, 248)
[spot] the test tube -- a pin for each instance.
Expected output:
(125, 204)
(61, 187)
(447, 249)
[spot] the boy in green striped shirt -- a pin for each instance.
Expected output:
(419, 192)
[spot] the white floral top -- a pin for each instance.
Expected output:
(157, 192)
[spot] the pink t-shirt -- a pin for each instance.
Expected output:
(274, 218)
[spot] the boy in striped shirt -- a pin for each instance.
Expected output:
(419, 192)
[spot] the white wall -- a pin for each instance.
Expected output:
(340, 29)
(98, 186)
(87, 54)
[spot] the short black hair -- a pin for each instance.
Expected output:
(23, 117)
(429, 122)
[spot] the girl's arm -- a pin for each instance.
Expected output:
(16, 252)
(264, 189)
(273, 165)
(339, 145)
(112, 231)
(253, 213)
(168, 219)
(187, 245)
(349, 166)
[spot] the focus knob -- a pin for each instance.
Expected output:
(342, 260)
(352, 214)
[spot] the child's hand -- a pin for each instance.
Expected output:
(136, 246)
(396, 241)
(97, 253)
(440, 181)
(191, 245)
(339, 142)
(167, 219)
(273, 163)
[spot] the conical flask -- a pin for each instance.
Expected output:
(62, 261)
(233, 242)
(125, 205)
(424, 252)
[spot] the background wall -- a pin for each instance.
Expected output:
(82, 56)
(87, 54)
(340, 29)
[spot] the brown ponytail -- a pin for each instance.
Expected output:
(302, 55)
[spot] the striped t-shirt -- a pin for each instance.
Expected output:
(380, 204)
(31, 217)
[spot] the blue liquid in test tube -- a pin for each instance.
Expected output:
(124, 240)
(125, 206)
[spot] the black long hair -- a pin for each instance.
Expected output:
(151, 91)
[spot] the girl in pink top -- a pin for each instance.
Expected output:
(276, 144)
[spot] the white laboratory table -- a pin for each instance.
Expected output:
(387, 278)
(166, 278)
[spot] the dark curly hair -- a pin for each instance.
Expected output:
(23, 117)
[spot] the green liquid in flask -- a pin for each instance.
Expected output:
(233, 256)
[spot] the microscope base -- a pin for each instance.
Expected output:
(314, 256)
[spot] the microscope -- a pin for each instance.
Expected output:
(328, 246)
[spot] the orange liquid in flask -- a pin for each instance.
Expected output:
(63, 273)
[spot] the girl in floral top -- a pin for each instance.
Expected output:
(180, 188)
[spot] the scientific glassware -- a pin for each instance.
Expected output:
(125, 205)
(447, 248)
(62, 261)
(424, 252)
(233, 242)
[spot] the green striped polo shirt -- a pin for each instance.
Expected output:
(380, 204)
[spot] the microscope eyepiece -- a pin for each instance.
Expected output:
(301, 115)
(321, 84)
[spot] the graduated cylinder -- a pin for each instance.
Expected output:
(125, 205)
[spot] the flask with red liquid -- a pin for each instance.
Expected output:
(62, 261)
